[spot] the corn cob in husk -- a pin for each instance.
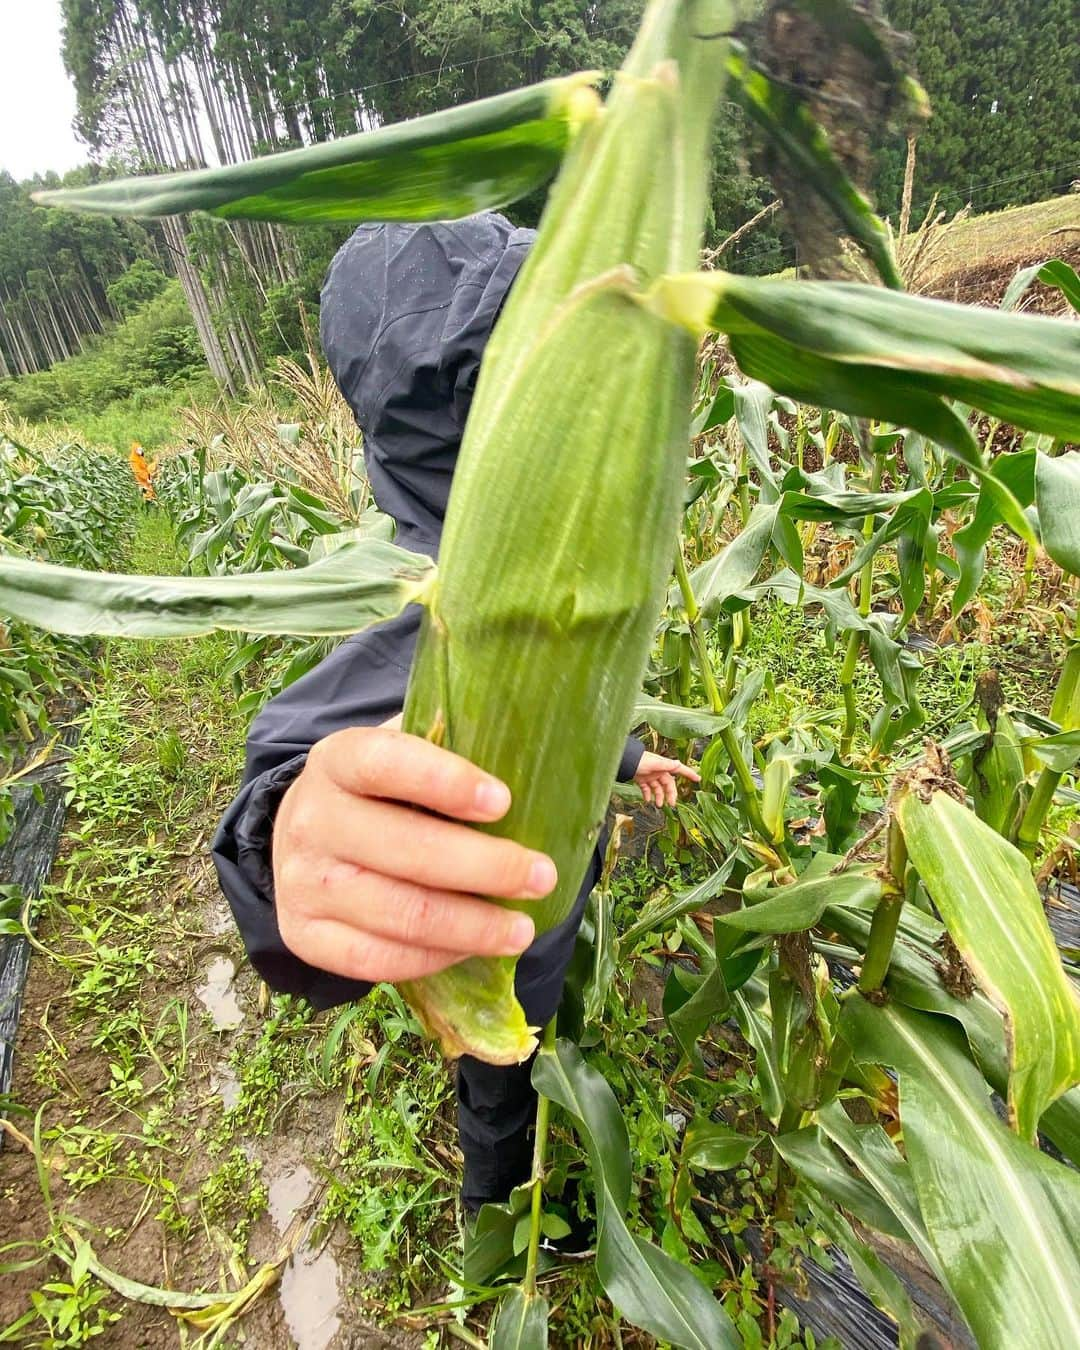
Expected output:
(564, 512)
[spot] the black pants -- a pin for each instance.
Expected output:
(497, 1104)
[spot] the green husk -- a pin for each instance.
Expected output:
(566, 498)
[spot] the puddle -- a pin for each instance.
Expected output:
(226, 1084)
(217, 996)
(288, 1191)
(309, 1299)
(309, 1283)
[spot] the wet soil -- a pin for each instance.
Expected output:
(315, 1303)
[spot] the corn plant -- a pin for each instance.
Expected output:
(67, 505)
(230, 520)
(537, 634)
(319, 449)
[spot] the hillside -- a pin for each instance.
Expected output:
(979, 256)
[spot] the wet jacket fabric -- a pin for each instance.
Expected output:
(406, 314)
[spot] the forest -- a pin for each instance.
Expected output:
(178, 85)
(771, 463)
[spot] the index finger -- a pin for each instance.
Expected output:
(676, 766)
(384, 762)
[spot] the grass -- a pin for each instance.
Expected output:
(151, 417)
(1017, 231)
(1023, 233)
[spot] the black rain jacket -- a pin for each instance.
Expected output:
(406, 313)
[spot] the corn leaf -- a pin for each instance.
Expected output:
(649, 1288)
(753, 403)
(1054, 273)
(521, 1322)
(897, 357)
(674, 721)
(756, 1027)
(1059, 752)
(600, 906)
(997, 773)
(1017, 472)
(354, 587)
(985, 893)
(793, 132)
(439, 167)
(916, 980)
(715, 413)
(1057, 493)
(661, 914)
(780, 773)
(811, 1154)
(1060, 274)
(878, 1279)
(1001, 1217)
(791, 909)
(875, 1156)
(690, 1012)
(736, 565)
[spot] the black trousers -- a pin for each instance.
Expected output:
(497, 1104)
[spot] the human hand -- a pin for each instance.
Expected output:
(375, 876)
(658, 777)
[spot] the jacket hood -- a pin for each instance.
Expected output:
(406, 313)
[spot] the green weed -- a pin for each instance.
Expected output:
(64, 1313)
(233, 1196)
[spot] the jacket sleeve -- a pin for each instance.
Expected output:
(631, 758)
(361, 683)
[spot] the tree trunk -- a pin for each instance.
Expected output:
(195, 294)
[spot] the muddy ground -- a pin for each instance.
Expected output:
(316, 1302)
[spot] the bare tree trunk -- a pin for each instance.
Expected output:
(192, 285)
(25, 352)
(909, 187)
(65, 309)
(16, 349)
(43, 341)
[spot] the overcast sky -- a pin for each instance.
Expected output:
(37, 101)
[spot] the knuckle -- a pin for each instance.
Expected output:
(375, 759)
(294, 931)
(357, 959)
(337, 753)
(321, 752)
(296, 820)
(420, 917)
(287, 876)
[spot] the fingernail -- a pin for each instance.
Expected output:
(543, 878)
(492, 797)
(522, 931)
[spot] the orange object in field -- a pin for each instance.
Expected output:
(144, 472)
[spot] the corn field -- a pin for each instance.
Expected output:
(865, 879)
